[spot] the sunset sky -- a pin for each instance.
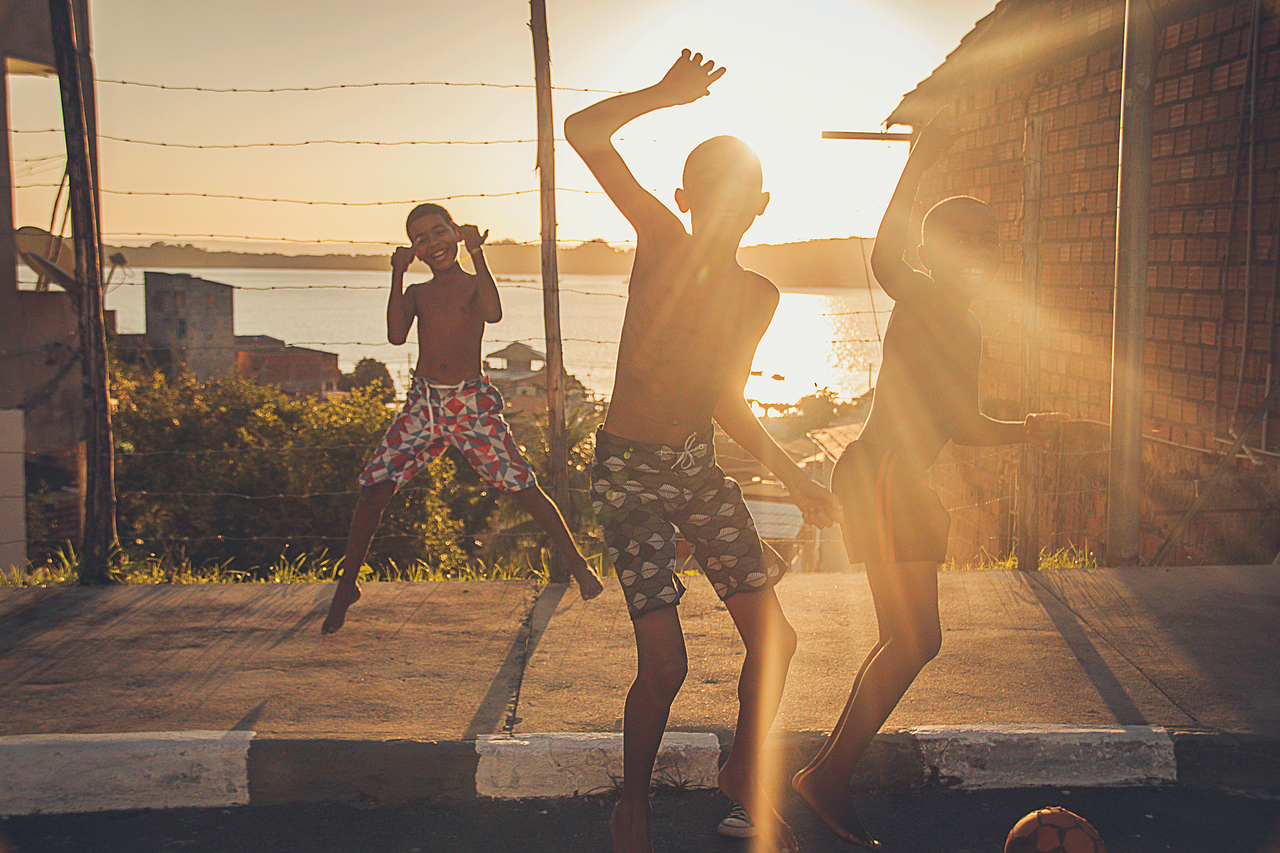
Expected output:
(794, 70)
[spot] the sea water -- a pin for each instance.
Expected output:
(820, 338)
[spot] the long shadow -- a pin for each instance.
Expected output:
(1113, 694)
(499, 706)
(37, 623)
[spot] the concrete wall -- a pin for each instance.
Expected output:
(13, 491)
(195, 320)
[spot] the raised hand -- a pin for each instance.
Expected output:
(689, 78)
(471, 236)
(402, 257)
(1041, 427)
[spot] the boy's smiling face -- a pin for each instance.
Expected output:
(961, 246)
(434, 241)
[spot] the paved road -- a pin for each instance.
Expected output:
(1131, 820)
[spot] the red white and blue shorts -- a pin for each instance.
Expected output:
(468, 416)
(890, 514)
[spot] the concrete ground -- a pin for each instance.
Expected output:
(423, 676)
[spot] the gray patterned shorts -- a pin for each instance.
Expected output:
(644, 493)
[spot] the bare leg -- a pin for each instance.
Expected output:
(364, 523)
(771, 643)
(906, 599)
(535, 502)
(661, 666)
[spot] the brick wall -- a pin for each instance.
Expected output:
(1212, 282)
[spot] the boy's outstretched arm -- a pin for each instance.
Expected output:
(399, 304)
(590, 132)
(818, 505)
(891, 270)
(487, 299)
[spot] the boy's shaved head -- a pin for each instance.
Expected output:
(948, 212)
(428, 209)
(721, 160)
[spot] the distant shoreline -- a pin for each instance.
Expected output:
(814, 264)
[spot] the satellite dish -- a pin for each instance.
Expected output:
(36, 247)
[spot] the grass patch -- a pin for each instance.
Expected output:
(62, 568)
(1070, 557)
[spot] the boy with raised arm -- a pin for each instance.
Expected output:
(926, 395)
(450, 400)
(693, 321)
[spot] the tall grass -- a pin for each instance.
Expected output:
(62, 568)
(1070, 557)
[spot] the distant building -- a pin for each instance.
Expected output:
(191, 329)
(294, 370)
(194, 321)
(523, 388)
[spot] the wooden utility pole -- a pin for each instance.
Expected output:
(1133, 208)
(1028, 549)
(98, 540)
(557, 441)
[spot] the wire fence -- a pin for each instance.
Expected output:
(981, 488)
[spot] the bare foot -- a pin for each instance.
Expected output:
(631, 828)
(831, 802)
(343, 597)
(772, 832)
(589, 585)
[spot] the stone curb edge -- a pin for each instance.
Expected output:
(104, 772)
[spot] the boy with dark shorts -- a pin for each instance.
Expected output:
(693, 321)
(926, 394)
(450, 400)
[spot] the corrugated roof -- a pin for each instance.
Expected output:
(1016, 32)
(833, 440)
(776, 520)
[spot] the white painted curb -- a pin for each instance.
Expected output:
(567, 764)
(101, 772)
(1018, 756)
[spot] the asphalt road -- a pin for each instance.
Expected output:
(1130, 820)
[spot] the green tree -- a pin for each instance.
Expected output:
(371, 375)
(231, 472)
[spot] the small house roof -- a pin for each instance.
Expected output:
(518, 351)
(1015, 33)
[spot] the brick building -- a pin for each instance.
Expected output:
(294, 370)
(1036, 89)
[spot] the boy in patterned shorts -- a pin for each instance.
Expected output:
(693, 321)
(450, 400)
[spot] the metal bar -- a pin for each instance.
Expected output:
(1028, 552)
(871, 135)
(1133, 206)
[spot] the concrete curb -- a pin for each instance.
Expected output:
(77, 773)
(109, 772)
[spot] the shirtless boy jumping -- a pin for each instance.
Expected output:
(925, 395)
(450, 400)
(693, 321)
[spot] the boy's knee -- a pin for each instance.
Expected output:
(664, 677)
(928, 644)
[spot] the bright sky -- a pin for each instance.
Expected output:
(794, 70)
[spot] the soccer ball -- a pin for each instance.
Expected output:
(1053, 829)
